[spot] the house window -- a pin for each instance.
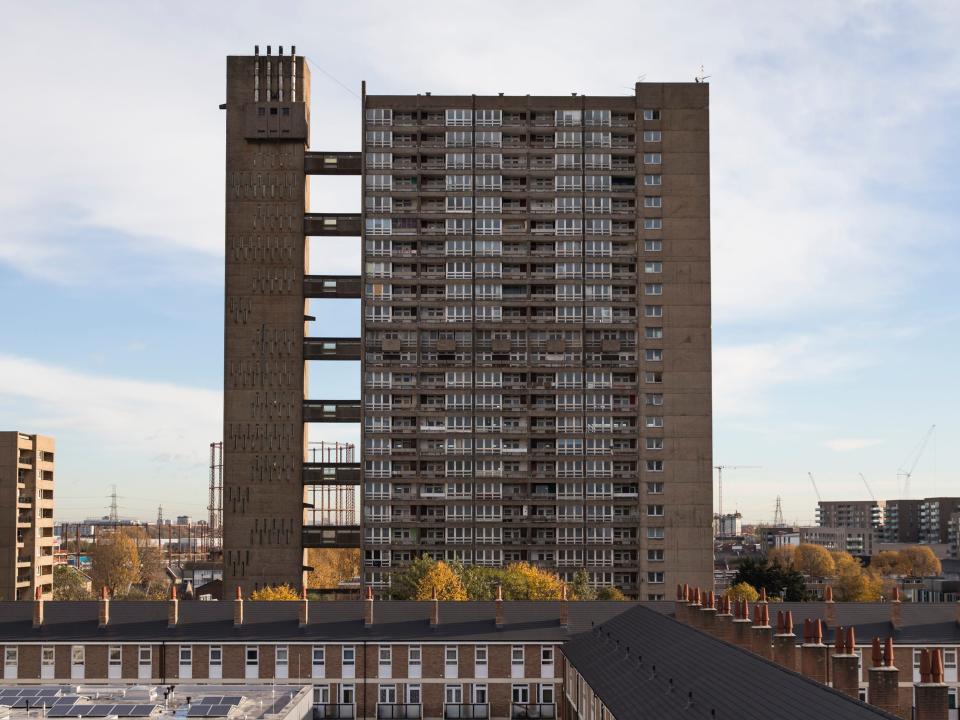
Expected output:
(282, 656)
(655, 533)
(652, 136)
(516, 655)
(480, 694)
(655, 577)
(520, 694)
(77, 655)
(655, 488)
(145, 655)
(652, 180)
(653, 311)
(655, 510)
(186, 655)
(654, 465)
(387, 695)
(450, 655)
(655, 555)
(319, 656)
(648, 224)
(386, 656)
(348, 656)
(414, 656)
(653, 245)
(10, 657)
(216, 656)
(453, 694)
(253, 656)
(651, 114)
(546, 654)
(47, 656)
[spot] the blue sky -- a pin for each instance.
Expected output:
(835, 149)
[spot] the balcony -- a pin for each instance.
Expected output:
(331, 411)
(334, 711)
(331, 536)
(466, 711)
(322, 348)
(331, 473)
(522, 711)
(327, 224)
(399, 711)
(332, 163)
(331, 286)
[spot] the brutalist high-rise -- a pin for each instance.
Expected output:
(535, 342)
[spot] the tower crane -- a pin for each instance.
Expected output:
(916, 455)
(814, 483)
(872, 496)
(720, 469)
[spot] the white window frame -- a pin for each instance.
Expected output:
(251, 662)
(215, 662)
(517, 661)
(185, 669)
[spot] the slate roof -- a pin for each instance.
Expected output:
(646, 665)
(922, 623)
(330, 621)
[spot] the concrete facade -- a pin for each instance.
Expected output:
(26, 520)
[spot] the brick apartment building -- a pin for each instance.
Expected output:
(535, 344)
(26, 516)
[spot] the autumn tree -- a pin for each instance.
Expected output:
(115, 563)
(404, 583)
(480, 582)
(887, 563)
(70, 584)
(854, 583)
(782, 556)
(442, 580)
(523, 581)
(742, 591)
(919, 561)
(331, 566)
(813, 560)
(275, 592)
(610, 593)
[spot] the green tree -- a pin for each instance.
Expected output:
(404, 586)
(580, 587)
(115, 564)
(70, 584)
(773, 578)
(480, 582)
(610, 593)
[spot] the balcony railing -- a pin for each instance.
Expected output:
(334, 711)
(522, 711)
(466, 711)
(399, 711)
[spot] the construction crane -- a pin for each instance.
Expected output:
(916, 454)
(866, 484)
(720, 469)
(814, 483)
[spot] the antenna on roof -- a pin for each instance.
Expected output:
(701, 77)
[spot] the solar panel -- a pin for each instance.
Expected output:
(231, 699)
(61, 711)
(101, 710)
(142, 710)
(123, 710)
(49, 691)
(198, 710)
(219, 710)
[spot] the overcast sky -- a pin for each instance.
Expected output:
(835, 146)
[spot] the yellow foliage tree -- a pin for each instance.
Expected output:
(919, 561)
(115, 563)
(813, 560)
(782, 556)
(442, 579)
(854, 583)
(331, 566)
(275, 592)
(742, 591)
(887, 562)
(523, 581)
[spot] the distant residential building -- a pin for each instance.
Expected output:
(850, 513)
(953, 535)
(768, 534)
(183, 519)
(729, 525)
(901, 521)
(935, 518)
(854, 540)
(786, 539)
(26, 516)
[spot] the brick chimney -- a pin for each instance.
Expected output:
(813, 653)
(761, 632)
(896, 610)
(498, 605)
(38, 608)
(829, 606)
(368, 608)
(845, 662)
(564, 610)
(173, 607)
(682, 605)
(678, 603)
(741, 625)
(103, 617)
(883, 678)
(693, 609)
(708, 613)
(238, 608)
(434, 610)
(785, 642)
(931, 693)
(722, 626)
(304, 614)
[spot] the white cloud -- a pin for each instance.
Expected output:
(845, 444)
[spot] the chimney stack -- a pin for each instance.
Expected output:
(883, 679)
(741, 624)
(173, 607)
(498, 604)
(238, 608)
(304, 615)
(104, 614)
(708, 613)
(564, 610)
(785, 642)
(38, 608)
(368, 608)
(846, 673)
(761, 632)
(693, 609)
(722, 625)
(434, 611)
(931, 694)
(829, 606)
(896, 610)
(813, 653)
